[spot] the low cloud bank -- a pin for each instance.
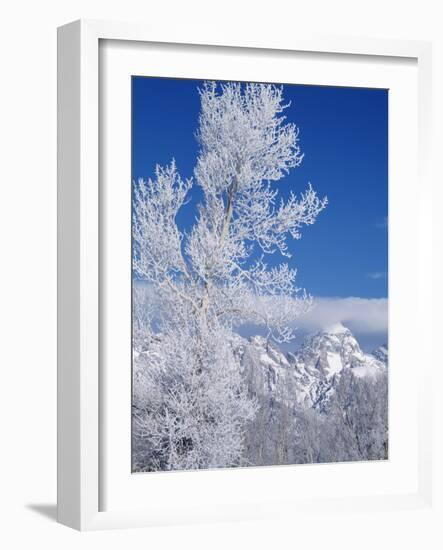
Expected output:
(367, 318)
(363, 315)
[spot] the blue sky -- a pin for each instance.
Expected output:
(344, 136)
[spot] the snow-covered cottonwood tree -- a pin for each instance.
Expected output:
(214, 276)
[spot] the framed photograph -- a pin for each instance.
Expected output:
(243, 266)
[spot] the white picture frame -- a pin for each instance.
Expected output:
(80, 411)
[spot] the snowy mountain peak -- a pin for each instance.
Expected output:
(336, 328)
(310, 374)
(330, 351)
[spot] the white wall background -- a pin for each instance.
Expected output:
(28, 269)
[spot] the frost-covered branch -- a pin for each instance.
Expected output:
(157, 253)
(191, 405)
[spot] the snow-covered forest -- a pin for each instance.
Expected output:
(203, 397)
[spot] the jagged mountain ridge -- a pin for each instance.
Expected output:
(326, 402)
(305, 378)
(308, 376)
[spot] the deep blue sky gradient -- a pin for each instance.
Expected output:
(344, 135)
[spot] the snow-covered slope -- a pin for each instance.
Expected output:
(266, 369)
(307, 377)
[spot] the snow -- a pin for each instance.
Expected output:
(335, 363)
(336, 328)
(293, 380)
(193, 399)
(311, 374)
(266, 360)
(366, 371)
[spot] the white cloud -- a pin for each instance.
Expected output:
(377, 275)
(360, 315)
(367, 318)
